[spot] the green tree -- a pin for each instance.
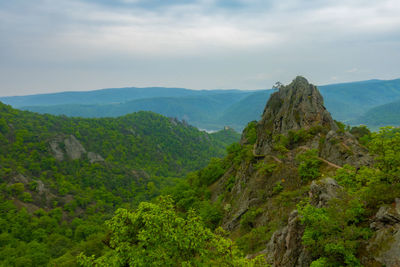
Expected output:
(309, 165)
(154, 235)
(386, 146)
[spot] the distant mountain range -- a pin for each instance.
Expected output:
(352, 103)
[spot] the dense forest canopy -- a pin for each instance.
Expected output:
(62, 177)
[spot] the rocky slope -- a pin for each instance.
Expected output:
(295, 135)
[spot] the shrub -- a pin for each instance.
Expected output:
(309, 165)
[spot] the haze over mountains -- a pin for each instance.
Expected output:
(353, 103)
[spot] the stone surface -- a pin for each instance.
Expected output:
(94, 157)
(285, 248)
(296, 106)
(384, 246)
(322, 191)
(299, 105)
(57, 151)
(73, 148)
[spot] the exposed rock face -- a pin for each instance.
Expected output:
(70, 148)
(57, 151)
(322, 191)
(343, 148)
(73, 148)
(296, 106)
(384, 246)
(285, 248)
(94, 157)
(299, 105)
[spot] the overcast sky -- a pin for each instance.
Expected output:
(65, 45)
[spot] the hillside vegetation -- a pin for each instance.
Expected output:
(298, 189)
(61, 178)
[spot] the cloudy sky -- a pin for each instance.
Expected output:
(63, 45)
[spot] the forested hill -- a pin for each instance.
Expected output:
(387, 114)
(60, 177)
(209, 109)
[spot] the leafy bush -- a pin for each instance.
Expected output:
(265, 168)
(250, 132)
(309, 165)
(154, 235)
(247, 220)
(332, 234)
(212, 172)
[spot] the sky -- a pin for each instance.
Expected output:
(74, 45)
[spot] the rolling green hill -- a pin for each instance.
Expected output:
(61, 177)
(201, 111)
(387, 114)
(107, 96)
(348, 101)
(206, 109)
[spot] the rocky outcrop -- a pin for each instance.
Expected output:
(285, 248)
(299, 106)
(70, 148)
(384, 246)
(73, 147)
(94, 157)
(57, 151)
(343, 148)
(322, 191)
(296, 106)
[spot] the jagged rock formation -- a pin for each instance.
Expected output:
(296, 106)
(70, 148)
(73, 147)
(384, 246)
(294, 121)
(323, 191)
(284, 248)
(299, 106)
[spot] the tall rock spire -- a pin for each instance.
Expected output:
(298, 105)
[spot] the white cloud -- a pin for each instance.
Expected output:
(228, 43)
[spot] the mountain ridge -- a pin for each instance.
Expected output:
(346, 102)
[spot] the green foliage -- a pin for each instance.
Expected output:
(309, 165)
(266, 168)
(16, 189)
(332, 234)
(250, 132)
(248, 219)
(230, 183)
(342, 127)
(362, 133)
(213, 171)
(280, 143)
(386, 146)
(143, 153)
(255, 239)
(298, 136)
(278, 187)
(154, 235)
